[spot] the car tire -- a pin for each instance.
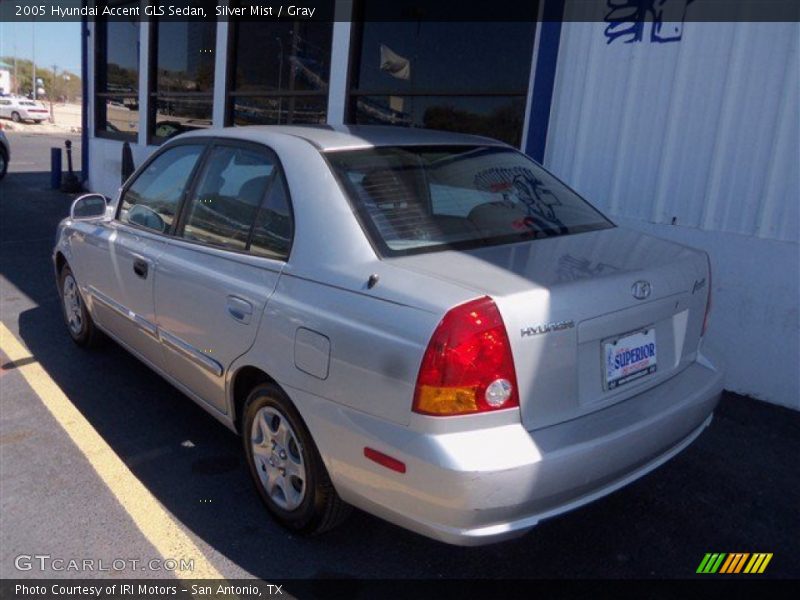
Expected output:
(3, 164)
(79, 322)
(37, 121)
(286, 466)
(15, 117)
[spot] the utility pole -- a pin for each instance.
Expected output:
(33, 36)
(52, 93)
(16, 77)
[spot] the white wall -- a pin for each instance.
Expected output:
(698, 140)
(5, 81)
(105, 168)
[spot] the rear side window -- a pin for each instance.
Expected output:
(153, 198)
(232, 187)
(419, 199)
(272, 234)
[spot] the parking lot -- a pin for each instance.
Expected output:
(143, 448)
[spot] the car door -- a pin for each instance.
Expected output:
(127, 250)
(4, 108)
(218, 271)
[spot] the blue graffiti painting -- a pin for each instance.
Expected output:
(627, 19)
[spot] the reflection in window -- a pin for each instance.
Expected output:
(416, 199)
(499, 117)
(223, 208)
(272, 234)
(117, 77)
(152, 199)
(184, 77)
(436, 74)
(280, 71)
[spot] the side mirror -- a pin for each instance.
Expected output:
(88, 206)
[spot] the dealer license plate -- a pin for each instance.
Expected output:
(629, 358)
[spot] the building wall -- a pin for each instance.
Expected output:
(696, 139)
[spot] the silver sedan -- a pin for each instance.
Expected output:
(425, 325)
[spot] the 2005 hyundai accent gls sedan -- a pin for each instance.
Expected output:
(428, 326)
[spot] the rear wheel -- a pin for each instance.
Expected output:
(285, 464)
(79, 322)
(15, 117)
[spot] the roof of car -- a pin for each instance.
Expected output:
(345, 137)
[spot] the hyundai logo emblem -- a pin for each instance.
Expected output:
(641, 289)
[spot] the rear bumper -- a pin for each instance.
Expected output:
(492, 484)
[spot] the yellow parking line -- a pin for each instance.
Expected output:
(152, 519)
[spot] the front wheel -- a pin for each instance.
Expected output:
(79, 322)
(15, 117)
(285, 464)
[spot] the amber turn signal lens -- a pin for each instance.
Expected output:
(447, 400)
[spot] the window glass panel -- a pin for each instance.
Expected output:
(418, 199)
(153, 198)
(498, 117)
(122, 56)
(282, 56)
(118, 115)
(174, 115)
(231, 189)
(444, 57)
(186, 56)
(272, 234)
(470, 77)
(184, 79)
(117, 76)
(276, 110)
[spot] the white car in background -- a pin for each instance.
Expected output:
(22, 109)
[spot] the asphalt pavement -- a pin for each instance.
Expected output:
(736, 489)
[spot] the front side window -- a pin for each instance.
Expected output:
(152, 200)
(418, 199)
(117, 76)
(231, 189)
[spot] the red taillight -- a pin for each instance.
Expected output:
(708, 302)
(468, 366)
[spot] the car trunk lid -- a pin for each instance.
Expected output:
(564, 298)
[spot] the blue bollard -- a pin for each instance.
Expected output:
(55, 168)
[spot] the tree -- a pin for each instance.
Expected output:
(66, 83)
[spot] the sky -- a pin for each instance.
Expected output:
(57, 43)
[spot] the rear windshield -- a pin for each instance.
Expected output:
(420, 199)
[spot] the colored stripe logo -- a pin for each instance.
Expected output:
(734, 562)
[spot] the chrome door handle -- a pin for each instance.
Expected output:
(238, 308)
